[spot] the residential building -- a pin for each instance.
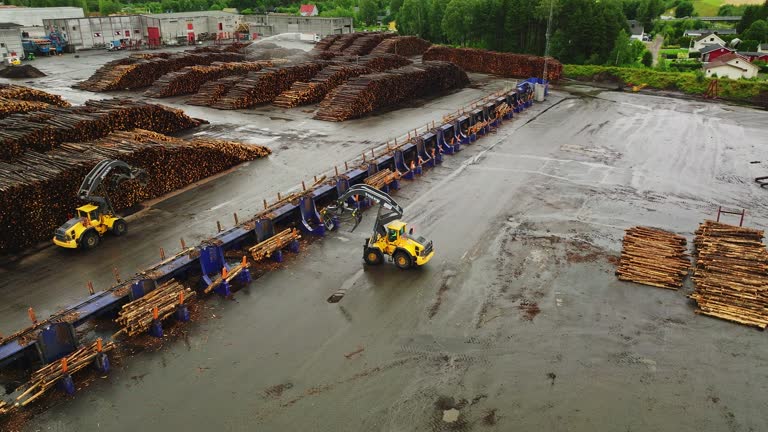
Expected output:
(10, 41)
(308, 10)
(752, 56)
(704, 40)
(732, 66)
(700, 32)
(711, 52)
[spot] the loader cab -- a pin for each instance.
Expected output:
(395, 231)
(89, 212)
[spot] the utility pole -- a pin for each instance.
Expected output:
(549, 33)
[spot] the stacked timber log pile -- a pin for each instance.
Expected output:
(191, 78)
(234, 47)
(496, 63)
(367, 93)
(731, 274)
(339, 45)
(44, 130)
(211, 92)
(15, 106)
(22, 93)
(143, 72)
(364, 45)
(4, 407)
(325, 43)
(136, 317)
(265, 85)
(38, 190)
(382, 62)
(653, 257)
(303, 93)
(46, 377)
(269, 246)
(406, 46)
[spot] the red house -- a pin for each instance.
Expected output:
(308, 10)
(712, 52)
(752, 56)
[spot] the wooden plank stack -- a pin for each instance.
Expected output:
(269, 246)
(143, 72)
(654, 257)
(136, 317)
(46, 377)
(731, 274)
(496, 63)
(46, 129)
(38, 190)
(265, 85)
(382, 178)
(189, 79)
(367, 93)
(302, 93)
(406, 46)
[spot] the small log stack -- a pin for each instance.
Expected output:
(189, 79)
(302, 93)
(265, 85)
(22, 93)
(136, 317)
(46, 129)
(381, 178)
(496, 63)
(731, 274)
(367, 93)
(143, 72)
(654, 257)
(269, 246)
(38, 190)
(406, 46)
(46, 377)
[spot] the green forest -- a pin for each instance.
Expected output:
(582, 31)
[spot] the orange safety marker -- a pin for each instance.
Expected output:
(32, 317)
(224, 273)
(99, 348)
(413, 165)
(181, 298)
(155, 313)
(244, 264)
(64, 367)
(183, 244)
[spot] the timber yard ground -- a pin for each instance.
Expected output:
(518, 321)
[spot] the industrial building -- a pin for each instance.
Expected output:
(272, 24)
(31, 18)
(97, 32)
(10, 41)
(183, 27)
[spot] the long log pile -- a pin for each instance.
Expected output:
(731, 274)
(23, 93)
(654, 257)
(46, 377)
(365, 44)
(269, 246)
(367, 93)
(325, 43)
(189, 79)
(303, 93)
(406, 46)
(136, 317)
(38, 190)
(234, 47)
(211, 92)
(343, 42)
(14, 106)
(44, 130)
(143, 72)
(265, 85)
(383, 62)
(496, 63)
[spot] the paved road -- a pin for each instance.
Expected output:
(518, 322)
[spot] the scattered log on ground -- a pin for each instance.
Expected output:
(303, 93)
(143, 72)
(265, 85)
(406, 46)
(45, 129)
(654, 257)
(731, 274)
(367, 93)
(38, 190)
(46, 377)
(136, 317)
(273, 244)
(189, 79)
(10, 91)
(496, 63)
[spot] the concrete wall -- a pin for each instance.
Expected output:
(176, 26)
(29, 17)
(96, 32)
(10, 42)
(270, 25)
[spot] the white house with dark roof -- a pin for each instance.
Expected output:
(704, 40)
(733, 66)
(762, 48)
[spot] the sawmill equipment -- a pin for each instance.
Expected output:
(389, 232)
(97, 217)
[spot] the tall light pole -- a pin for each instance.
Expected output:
(549, 33)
